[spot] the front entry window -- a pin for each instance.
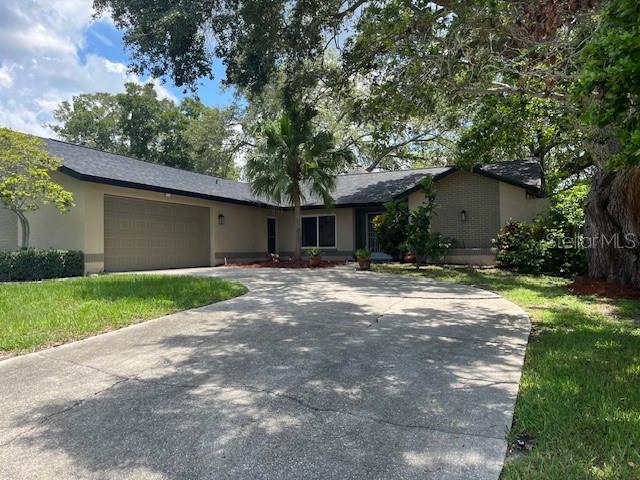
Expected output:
(319, 231)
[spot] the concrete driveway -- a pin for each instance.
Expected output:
(328, 374)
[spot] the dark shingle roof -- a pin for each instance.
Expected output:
(95, 165)
(525, 173)
(353, 189)
(378, 187)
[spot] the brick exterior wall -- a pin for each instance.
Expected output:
(478, 196)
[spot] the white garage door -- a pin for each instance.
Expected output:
(147, 235)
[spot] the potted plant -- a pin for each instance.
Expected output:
(364, 258)
(409, 257)
(314, 257)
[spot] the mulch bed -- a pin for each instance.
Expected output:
(286, 264)
(602, 288)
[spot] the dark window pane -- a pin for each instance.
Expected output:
(327, 226)
(309, 232)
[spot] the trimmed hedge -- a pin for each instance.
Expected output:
(35, 264)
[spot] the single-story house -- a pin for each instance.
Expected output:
(135, 215)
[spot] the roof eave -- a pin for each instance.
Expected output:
(152, 188)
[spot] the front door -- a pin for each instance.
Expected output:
(372, 237)
(271, 235)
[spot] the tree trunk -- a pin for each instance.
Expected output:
(26, 229)
(612, 226)
(297, 214)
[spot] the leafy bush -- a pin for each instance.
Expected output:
(551, 244)
(313, 252)
(363, 254)
(72, 263)
(392, 228)
(521, 246)
(35, 264)
(425, 243)
(563, 226)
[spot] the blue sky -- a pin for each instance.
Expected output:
(104, 40)
(51, 50)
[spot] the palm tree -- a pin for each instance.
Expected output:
(292, 162)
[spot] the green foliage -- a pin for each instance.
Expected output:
(521, 247)
(510, 127)
(392, 228)
(363, 254)
(610, 78)
(551, 244)
(253, 37)
(25, 166)
(137, 123)
(35, 264)
(421, 240)
(313, 252)
(25, 181)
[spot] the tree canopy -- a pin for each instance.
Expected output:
(25, 180)
(137, 123)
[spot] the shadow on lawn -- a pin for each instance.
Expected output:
(289, 390)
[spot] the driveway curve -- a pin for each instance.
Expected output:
(328, 374)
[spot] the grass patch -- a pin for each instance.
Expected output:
(41, 314)
(580, 392)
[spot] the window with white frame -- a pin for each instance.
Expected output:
(319, 231)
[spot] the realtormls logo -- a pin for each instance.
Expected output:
(627, 241)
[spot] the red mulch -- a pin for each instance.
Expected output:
(286, 264)
(602, 288)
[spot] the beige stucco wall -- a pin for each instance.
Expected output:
(516, 205)
(8, 230)
(345, 231)
(52, 229)
(242, 237)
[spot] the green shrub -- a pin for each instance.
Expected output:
(392, 228)
(426, 244)
(563, 226)
(72, 263)
(521, 247)
(313, 252)
(362, 254)
(550, 244)
(35, 264)
(6, 260)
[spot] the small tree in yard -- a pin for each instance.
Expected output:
(425, 243)
(392, 228)
(25, 183)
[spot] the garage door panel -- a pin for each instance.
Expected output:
(144, 235)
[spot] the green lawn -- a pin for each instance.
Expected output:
(40, 314)
(580, 393)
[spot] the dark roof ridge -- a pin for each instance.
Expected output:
(399, 170)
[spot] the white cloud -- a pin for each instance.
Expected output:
(6, 80)
(40, 64)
